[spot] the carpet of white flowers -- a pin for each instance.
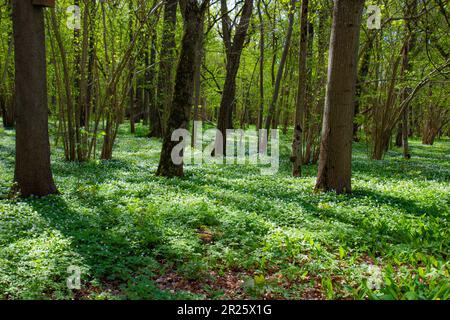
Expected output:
(227, 231)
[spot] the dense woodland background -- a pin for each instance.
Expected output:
(134, 71)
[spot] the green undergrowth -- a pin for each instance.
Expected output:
(225, 227)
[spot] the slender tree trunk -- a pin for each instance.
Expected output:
(398, 136)
(226, 28)
(33, 173)
(7, 106)
(261, 66)
(284, 56)
(284, 92)
(71, 127)
(431, 120)
(131, 66)
(362, 75)
(89, 99)
(410, 10)
(153, 112)
(167, 60)
(148, 81)
(308, 126)
(82, 141)
(321, 81)
(197, 81)
(297, 143)
(76, 87)
(274, 42)
(335, 164)
(228, 101)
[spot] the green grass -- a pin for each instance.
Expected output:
(227, 231)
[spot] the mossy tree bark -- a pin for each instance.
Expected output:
(184, 85)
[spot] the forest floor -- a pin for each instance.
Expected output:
(227, 231)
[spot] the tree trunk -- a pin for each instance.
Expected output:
(33, 173)
(76, 85)
(89, 99)
(184, 86)
(132, 76)
(362, 75)
(336, 146)
(197, 81)
(284, 91)
(8, 112)
(261, 67)
(71, 127)
(284, 56)
(321, 72)
(167, 60)
(436, 117)
(297, 143)
(398, 136)
(308, 126)
(150, 75)
(6, 93)
(228, 101)
(410, 10)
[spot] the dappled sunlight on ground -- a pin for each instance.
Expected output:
(226, 231)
